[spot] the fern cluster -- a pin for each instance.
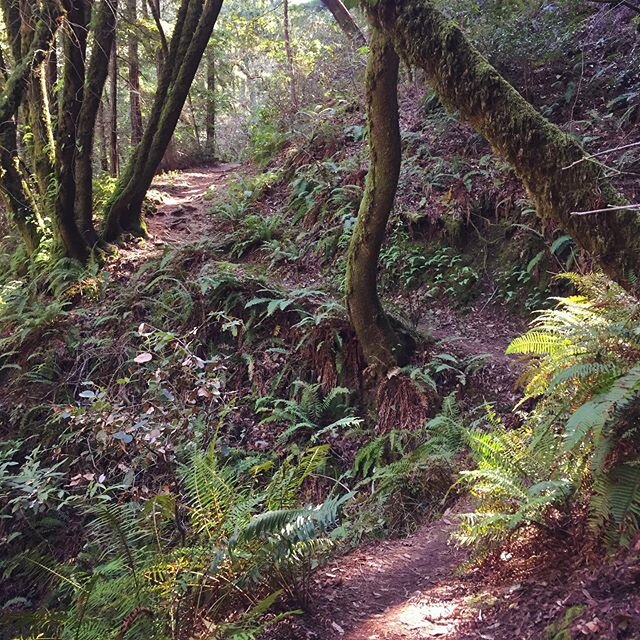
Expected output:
(406, 474)
(246, 542)
(581, 441)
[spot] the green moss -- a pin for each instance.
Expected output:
(383, 348)
(561, 630)
(542, 155)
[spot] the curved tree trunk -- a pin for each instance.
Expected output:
(193, 29)
(345, 21)
(381, 346)
(543, 156)
(104, 40)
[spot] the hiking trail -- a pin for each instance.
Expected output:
(397, 589)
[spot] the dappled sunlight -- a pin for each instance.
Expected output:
(437, 612)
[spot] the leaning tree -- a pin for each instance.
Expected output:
(558, 175)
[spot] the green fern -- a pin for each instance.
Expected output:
(579, 441)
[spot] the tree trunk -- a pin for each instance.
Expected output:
(190, 37)
(14, 190)
(290, 64)
(114, 158)
(210, 146)
(381, 346)
(37, 109)
(545, 158)
(102, 139)
(103, 43)
(14, 185)
(135, 109)
(345, 21)
(68, 235)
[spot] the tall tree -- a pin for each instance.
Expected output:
(211, 103)
(193, 28)
(114, 156)
(290, 62)
(550, 163)
(74, 48)
(382, 347)
(104, 34)
(15, 183)
(133, 59)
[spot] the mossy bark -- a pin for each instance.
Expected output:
(104, 30)
(381, 346)
(68, 236)
(541, 154)
(193, 29)
(15, 192)
(14, 184)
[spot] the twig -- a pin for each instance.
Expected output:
(629, 207)
(621, 3)
(602, 153)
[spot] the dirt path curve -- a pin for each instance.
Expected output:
(393, 590)
(183, 202)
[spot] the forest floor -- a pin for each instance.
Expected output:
(410, 588)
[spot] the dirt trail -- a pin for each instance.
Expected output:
(404, 589)
(393, 590)
(182, 206)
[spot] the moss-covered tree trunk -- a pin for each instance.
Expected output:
(14, 183)
(542, 155)
(381, 346)
(15, 193)
(193, 29)
(69, 238)
(104, 30)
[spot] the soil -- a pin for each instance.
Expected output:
(183, 202)
(414, 588)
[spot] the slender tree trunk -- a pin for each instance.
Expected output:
(381, 346)
(14, 185)
(194, 124)
(114, 158)
(104, 31)
(549, 162)
(211, 104)
(69, 237)
(193, 29)
(290, 63)
(14, 191)
(102, 139)
(345, 21)
(41, 140)
(35, 105)
(134, 76)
